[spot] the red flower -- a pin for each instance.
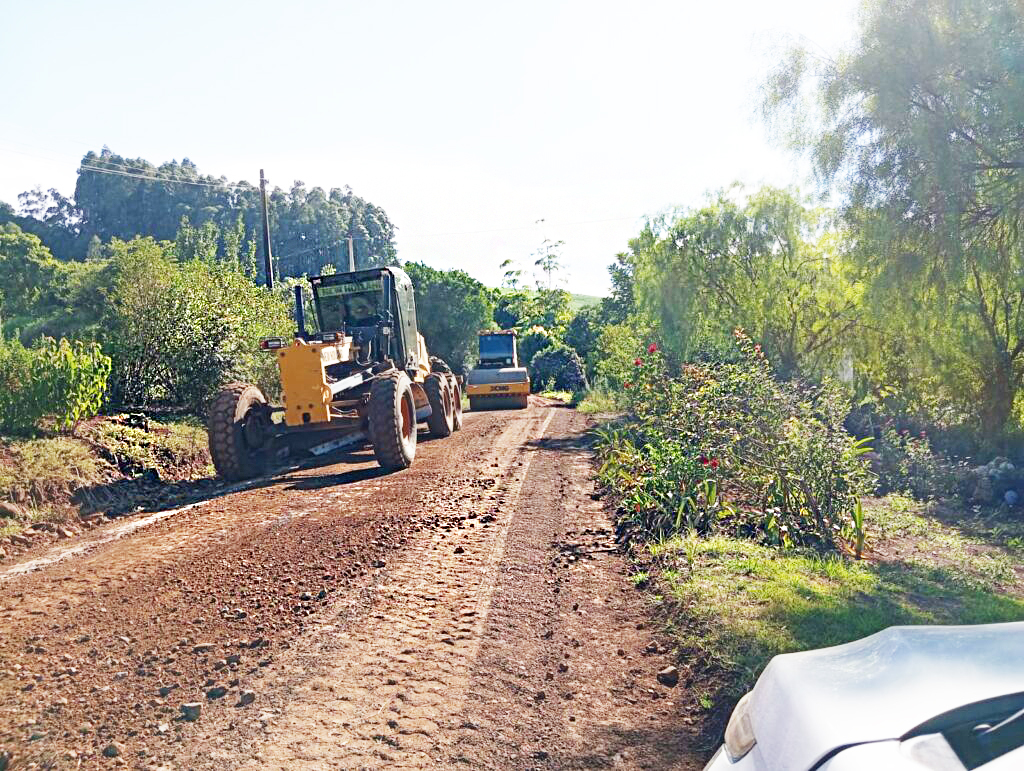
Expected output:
(639, 362)
(637, 508)
(652, 348)
(704, 459)
(625, 385)
(714, 463)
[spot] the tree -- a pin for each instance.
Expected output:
(559, 368)
(118, 197)
(621, 302)
(451, 308)
(549, 261)
(919, 124)
(27, 270)
(769, 264)
(584, 332)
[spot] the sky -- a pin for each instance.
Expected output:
(481, 128)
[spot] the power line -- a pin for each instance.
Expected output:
(137, 172)
(169, 180)
(148, 175)
(520, 227)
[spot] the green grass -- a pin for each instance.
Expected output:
(39, 471)
(732, 604)
(598, 402)
(42, 475)
(175, 449)
(563, 396)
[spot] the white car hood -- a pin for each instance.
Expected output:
(807, 704)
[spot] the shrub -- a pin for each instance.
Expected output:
(559, 368)
(534, 341)
(178, 331)
(64, 380)
(727, 447)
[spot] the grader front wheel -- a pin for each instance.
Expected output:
(239, 428)
(392, 421)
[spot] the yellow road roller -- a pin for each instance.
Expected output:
(497, 381)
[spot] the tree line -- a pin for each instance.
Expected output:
(117, 197)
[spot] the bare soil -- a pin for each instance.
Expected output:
(472, 611)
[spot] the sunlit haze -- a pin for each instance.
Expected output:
(466, 121)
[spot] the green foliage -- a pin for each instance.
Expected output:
(26, 270)
(583, 333)
(728, 447)
(451, 308)
(734, 604)
(521, 309)
(78, 376)
(530, 344)
(558, 367)
(552, 310)
(309, 226)
(770, 264)
(906, 464)
(63, 380)
(919, 124)
(548, 260)
(616, 351)
(177, 331)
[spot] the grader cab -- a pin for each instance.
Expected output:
(497, 381)
(363, 377)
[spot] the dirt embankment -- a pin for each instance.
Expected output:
(472, 611)
(56, 487)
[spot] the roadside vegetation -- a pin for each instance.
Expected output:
(817, 426)
(810, 418)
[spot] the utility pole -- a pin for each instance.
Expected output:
(268, 262)
(351, 256)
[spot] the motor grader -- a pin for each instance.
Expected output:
(363, 377)
(497, 381)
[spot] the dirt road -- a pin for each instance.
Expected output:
(472, 611)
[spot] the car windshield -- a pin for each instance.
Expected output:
(355, 304)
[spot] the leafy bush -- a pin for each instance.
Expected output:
(177, 331)
(534, 341)
(906, 463)
(558, 367)
(728, 447)
(64, 380)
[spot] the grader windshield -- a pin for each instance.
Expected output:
(352, 304)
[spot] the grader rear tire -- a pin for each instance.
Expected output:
(392, 421)
(238, 426)
(440, 400)
(456, 392)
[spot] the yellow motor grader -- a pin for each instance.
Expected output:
(497, 381)
(364, 377)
